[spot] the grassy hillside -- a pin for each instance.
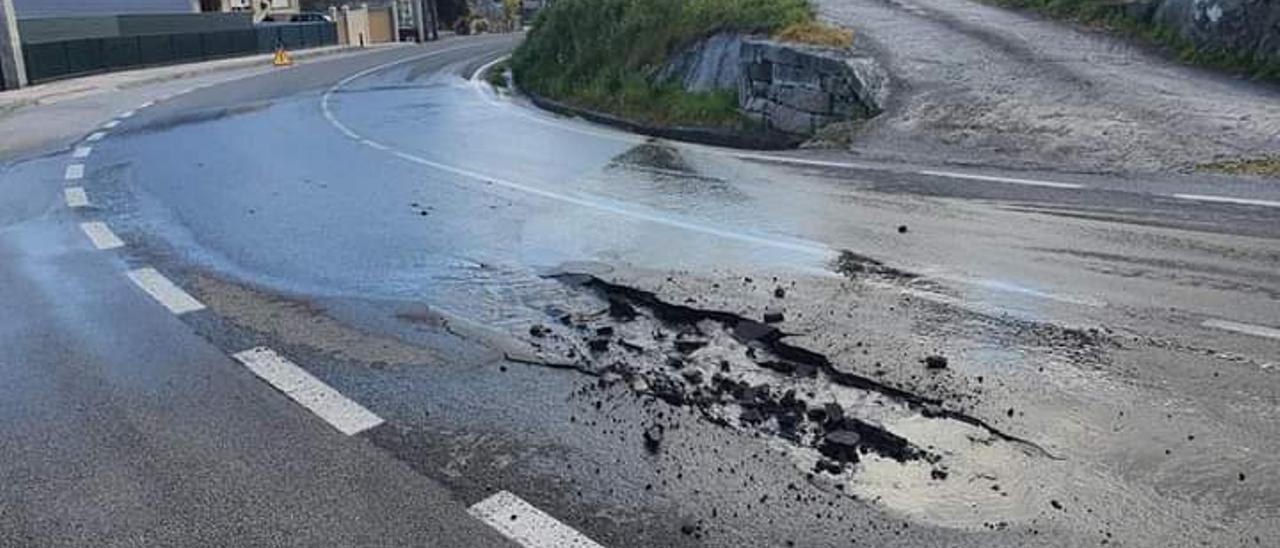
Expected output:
(1106, 13)
(599, 53)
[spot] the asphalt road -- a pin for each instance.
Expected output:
(495, 300)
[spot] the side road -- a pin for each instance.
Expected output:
(49, 116)
(979, 84)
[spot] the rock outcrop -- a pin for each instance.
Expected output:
(790, 88)
(708, 65)
(1249, 27)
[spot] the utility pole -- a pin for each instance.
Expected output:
(435, 20)
(13, 70)
(418, 23)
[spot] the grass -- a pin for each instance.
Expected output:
(1267, 166)
(1109, 15)
(601, 54)
(816, 34)
(496, 75)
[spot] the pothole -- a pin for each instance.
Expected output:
(850, 432)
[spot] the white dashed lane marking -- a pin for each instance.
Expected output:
(342, 413)
(1227, 200)
(95, 136)
(101, 236)
(994, 179)
(82, 152)
(74, 172)
(75, 197)
(164, 291)
(527, 525)
(1247, 329)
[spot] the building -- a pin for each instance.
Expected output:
(261, 9)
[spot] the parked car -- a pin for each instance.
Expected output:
(311, 17)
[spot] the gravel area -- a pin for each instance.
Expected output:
(975, 84)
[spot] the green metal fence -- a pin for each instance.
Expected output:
(54, 60)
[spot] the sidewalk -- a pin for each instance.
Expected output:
(52, 115)
(74, 88)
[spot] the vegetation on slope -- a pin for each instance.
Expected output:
(1111, 15)
(1266, 166)
(600, 54)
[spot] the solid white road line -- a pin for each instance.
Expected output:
(126, 114)
(478, 75)
(111, 124)
(146, 105)
(1247, 329)
(526, 525)
(74, 172)
(75, 197)
(993, 179)
(101, 236)
(164, 291)
(82, 152)
(799, 161)
(1226, 200)
(347, 416)
(95, 136)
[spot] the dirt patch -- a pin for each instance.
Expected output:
(1268, 166)
(855, 266)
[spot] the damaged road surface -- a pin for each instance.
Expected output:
(708, 359)
(656, 344)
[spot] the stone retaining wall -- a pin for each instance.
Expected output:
(798, 89)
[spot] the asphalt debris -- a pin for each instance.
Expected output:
(653, 438)
(935, 362)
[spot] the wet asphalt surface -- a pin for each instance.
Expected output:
(665, 345)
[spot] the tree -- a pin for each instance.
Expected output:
(511, 12)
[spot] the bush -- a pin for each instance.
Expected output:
(601, 54)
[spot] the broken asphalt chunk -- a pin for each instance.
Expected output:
(653, 438)
(935, 362)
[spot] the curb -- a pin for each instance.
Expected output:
(748, 140)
